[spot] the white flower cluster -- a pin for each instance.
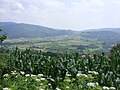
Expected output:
(40, 75)
(37, 79)
(43, 79)
(82, 75)
(112, 88)
(6, 88)
(49, 84)
(79, 74)
(68, 75)
(118, 80)
(14, 72)
(27, 75)
(22, 72)
(93, 72)
(58, 88)
(67, 87)
(33, 75)
(91, 84)
(5, 75)
(108, 88)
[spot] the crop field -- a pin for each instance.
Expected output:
(36, 70)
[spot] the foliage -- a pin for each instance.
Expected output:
(74, 71)
(3, 63)
(2, 37)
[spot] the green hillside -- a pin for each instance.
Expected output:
(21, 30)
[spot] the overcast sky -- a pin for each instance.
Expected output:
(63, 14)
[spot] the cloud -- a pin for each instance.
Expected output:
(12, 6)
(19, 6)
(73, 14)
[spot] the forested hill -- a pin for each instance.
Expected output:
(109, 37)
(21, 30)
(115, 30)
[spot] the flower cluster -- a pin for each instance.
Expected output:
(108, 88)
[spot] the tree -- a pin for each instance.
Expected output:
(2, 37)
(115, 57)
(116, 49)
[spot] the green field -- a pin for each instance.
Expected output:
(57, 44)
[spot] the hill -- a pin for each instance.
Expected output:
(21, 30)
(40, 37)
(109, 37)
(115, 30)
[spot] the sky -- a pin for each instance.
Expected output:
(63, 14)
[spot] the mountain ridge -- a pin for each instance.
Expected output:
(23, 30)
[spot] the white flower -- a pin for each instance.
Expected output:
(58, 88)
(52, 79)
(33, 75)
(5, 75)
(37, 80)
(41, 84)
(42, 78)
(96, 73)
(105, 88)
(40, 75)
(6, 89)
(27, 75)
(67, 87)
(68, 75)
(13, 72)
(97, 83)
(112, 88)
(93, 72)
(49, 84)
(117, 80)
(89, 71)
(91, 84)
(22, 72)
(80, 75)
(84, 75)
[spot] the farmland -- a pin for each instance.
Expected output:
(57, 44)
(30, 69)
